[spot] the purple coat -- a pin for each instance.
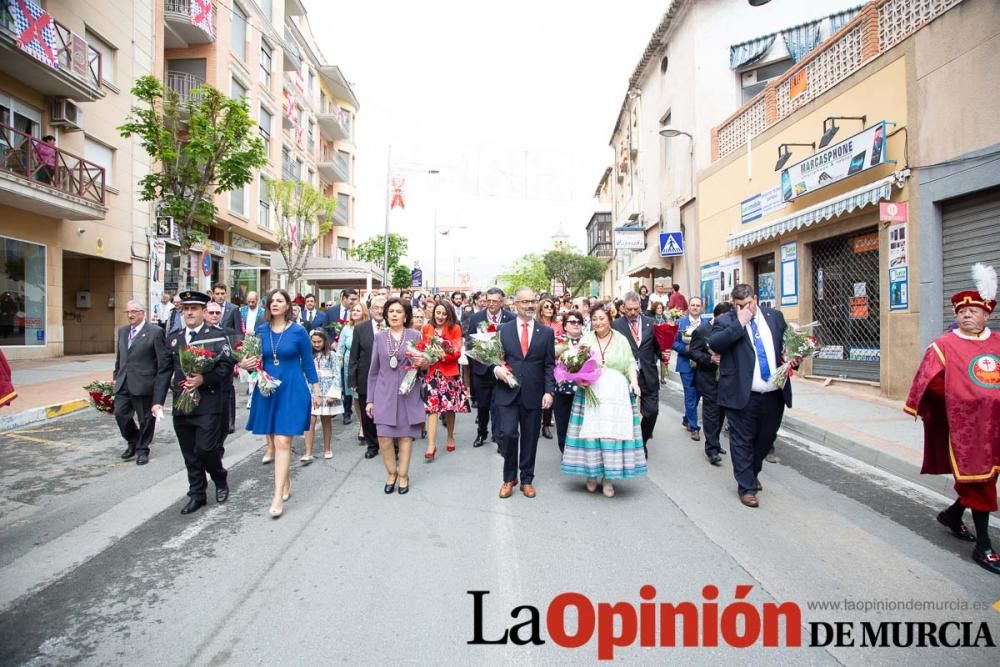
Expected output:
(391, 409)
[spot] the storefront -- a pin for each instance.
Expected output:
(22, 293)
(206, 266)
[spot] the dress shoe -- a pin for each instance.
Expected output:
(128, 453)
(429, 455)
(371, 453)
(389, 488)
(403, 490)
(958, 529)
(772, 458)
(760, 487)
(347, 419)
(749, 500)
(696, 435)
(221, 493)
(546, 432)
(480, 441)
(193, 505)
(715, 459)
(684, 422)
(722, 451)
(506, 489)
(528, 490)
(361, 438)
(987, 559)
(142, 459)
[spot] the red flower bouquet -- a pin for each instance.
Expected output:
(195, 360)
(101, 396)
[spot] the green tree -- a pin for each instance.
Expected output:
(526, 271)
(401, 276)
(203, 145)
(373, 250)
(572, 269)
(304, 215)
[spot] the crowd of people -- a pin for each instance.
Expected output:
(352, 357)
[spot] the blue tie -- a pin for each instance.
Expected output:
(765, 368)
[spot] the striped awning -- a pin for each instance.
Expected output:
(748, 52)
(868, 194)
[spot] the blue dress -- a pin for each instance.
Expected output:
(288, 410)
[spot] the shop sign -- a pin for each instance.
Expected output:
(851, 156)
(798, 84)
(630, 239)
(832, 352)
(865, 243)
(244, 243)
(761, 204)
(891, 211)
(865, 354)
(416, 277)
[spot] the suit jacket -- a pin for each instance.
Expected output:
(683, 363)
(231, 317)
(332, 314)
(318, 322)
(533, 372)
(213, 390)
(245, 317)
(648, 352)
(232, 338)
(471, 326)
(176, 322)
(705, 380)
(137, 368)
(361, 357)
(729, 338)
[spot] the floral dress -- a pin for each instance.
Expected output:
(328, 369)
(441, 391)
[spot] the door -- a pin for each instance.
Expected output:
(969, 234)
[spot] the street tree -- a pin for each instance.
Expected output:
(200, 146)
(304, 215)
(401, 276)
(373, 250)
(526, 271)
(572, 269)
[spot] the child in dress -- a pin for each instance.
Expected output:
(328, 369)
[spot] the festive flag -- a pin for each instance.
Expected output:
(397, 193)
(35, 31)
(201, 15)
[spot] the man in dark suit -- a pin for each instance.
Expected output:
(357, 373)
(638, 330)
(140, 361)
(529, 350)
(342, 311)
(197, 431)
(312, 318)
(176, 321)
(483, 382)
(213, 315)
(706, 381)
(749, 340)
(230, 311)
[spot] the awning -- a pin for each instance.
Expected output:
(870, 193)
(748, 52)
(648, 260)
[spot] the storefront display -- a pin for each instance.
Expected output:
(22, 293)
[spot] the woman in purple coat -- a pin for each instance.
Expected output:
(395, 416)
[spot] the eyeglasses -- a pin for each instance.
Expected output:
(133, 312)
(573, 322)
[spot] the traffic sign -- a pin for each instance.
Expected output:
(672, 244)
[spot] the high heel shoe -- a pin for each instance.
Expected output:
(389, 488)
(288, 494)
(275, 513)
(451, 445)
(403, 490)
(429, 456)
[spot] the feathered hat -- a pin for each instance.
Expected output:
(985, 294)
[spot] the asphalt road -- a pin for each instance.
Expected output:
(97, 566)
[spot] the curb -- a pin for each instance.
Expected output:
(42, 413)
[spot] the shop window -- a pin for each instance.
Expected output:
(22, 293)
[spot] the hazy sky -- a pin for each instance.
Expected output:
(513, 102)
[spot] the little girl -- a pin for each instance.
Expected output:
(328, 369)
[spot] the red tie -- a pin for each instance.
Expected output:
(524, 339)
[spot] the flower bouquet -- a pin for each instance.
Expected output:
(798, 343)
(250, 346)
(487, 349)
(334, 329)
(579, 364)
(433, 350)
(195, 360)
(102, 396)
(674, 314)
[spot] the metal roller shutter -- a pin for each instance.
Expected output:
(970, 233)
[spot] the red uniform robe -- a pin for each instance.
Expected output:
(957, 393)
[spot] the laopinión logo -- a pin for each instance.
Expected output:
(705, 624)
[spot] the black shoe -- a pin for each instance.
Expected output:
(959, 529)
(494, 439)
(389, 488)
(403, 490)
(987, 559)
(423, 434)
(546, 433)
(128, 453)
(715, 459)
(142, 459)
(371, 453)
(480, 441)
(347, 419)
(722, 451)
(221, 493)
(193, 505)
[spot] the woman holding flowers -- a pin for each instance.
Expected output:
(562, 403)
(443, 390)
(396, 415)
(282, 414)
(605, 440)
(331, 398)
(358, 314)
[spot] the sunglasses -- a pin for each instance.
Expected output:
(573, 322)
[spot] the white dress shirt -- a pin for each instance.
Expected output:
(519, 324)
(761, 384)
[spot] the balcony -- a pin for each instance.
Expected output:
(334, 126)
(72, 69)
(43, 179)
(334, 80)
(292, 56)
(335, 167)
(183, 83)
(602, 249)
(188, 22)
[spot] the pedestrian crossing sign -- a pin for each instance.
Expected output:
(672, 244)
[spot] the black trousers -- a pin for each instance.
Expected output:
(126, 406)
(517, 431)
(562, 406)
(227, 421)
(198, 437)
(348, 402)
(649, 409)
(752, 431)
(712, 416)
(367, 425)
(484, 386)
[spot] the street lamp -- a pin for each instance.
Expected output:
(669, 132)
(447, 229)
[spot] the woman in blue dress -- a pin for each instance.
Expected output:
(286, 355)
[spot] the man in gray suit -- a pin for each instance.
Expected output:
(230, 311)
(142, 358)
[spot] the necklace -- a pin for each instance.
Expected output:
(274, 346)
(393, 351)
(604, 348)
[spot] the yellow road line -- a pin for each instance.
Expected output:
(65, 408)
(32, 438)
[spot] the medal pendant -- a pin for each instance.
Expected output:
(393, 362)
(276, 362)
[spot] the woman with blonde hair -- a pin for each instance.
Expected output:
(357, 315)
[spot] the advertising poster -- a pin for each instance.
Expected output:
(898, 288)
(789, 274)
(765, 289)
(157, 260)
(897, 245)
(851, 156)
(761, 204)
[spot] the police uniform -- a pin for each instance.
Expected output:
(198, 432)
(229, 403)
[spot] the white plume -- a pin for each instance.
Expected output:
(985, 278)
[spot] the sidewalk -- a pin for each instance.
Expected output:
(48, 388)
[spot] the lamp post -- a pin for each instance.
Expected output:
(669, 133)
(447, 229)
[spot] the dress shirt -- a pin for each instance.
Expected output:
(761, 384)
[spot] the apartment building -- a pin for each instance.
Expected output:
(73, 245)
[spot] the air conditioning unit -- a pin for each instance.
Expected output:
(66, 114)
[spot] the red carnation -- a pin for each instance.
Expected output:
(491, 328)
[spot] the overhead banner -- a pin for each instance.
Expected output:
(851, 156)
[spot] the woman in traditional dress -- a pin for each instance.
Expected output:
(605, 441)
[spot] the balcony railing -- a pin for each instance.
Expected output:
(192, 21)
(602, 249)
(879, 26)
(183, 84)
(27, 157)
(292, 54)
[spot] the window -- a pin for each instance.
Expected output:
(265, 64)
(107, 56)
(312, 81)
(312, 176)
(344, 206)
(101, 155)
(22, 302)
(239, 33)
(263, 205)
(266, 9)
(237, 201)
(311, 136)
(237, 90)
(343, 247)
(265, 125)
(755, 80)
(298, 169)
